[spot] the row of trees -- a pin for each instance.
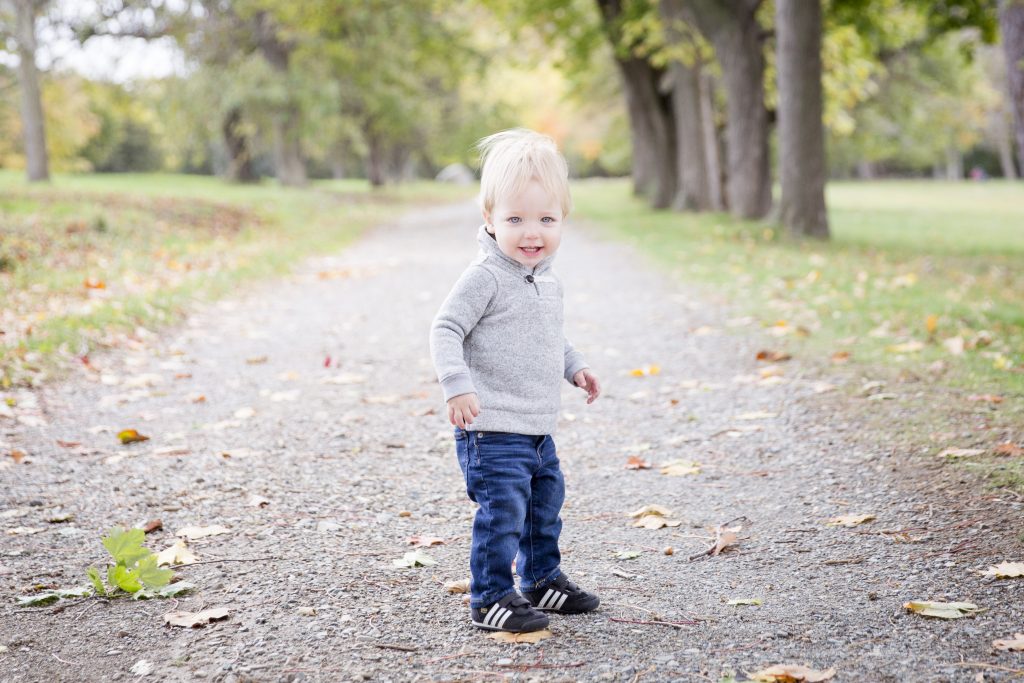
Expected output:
(708, 87)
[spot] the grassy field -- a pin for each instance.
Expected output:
(87, 259)
(921, 287)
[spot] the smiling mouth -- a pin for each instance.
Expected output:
(531, 250)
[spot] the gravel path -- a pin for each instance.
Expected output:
(351, 458)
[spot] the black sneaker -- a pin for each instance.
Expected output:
(562, 596)
(512, 613)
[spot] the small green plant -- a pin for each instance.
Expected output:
(135, 572)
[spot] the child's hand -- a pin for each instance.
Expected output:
(587, 380)
(462, 409)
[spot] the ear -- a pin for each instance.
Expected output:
(487, 221)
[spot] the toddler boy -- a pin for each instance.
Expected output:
(500, 355)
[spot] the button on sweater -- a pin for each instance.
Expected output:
(499, 334)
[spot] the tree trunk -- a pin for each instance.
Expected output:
(652, 129)
(1011, 26)
(32, 122)
(1004, 141)
(801, 132)
(713, 163)
(287, 121)
(692, 192)
(375, 161)
(731, 27)
(954, 163)
(240, 168)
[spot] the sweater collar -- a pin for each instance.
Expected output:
(489, 246)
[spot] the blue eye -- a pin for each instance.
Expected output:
(513, 219)
(548, 219)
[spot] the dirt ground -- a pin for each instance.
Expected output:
(320, 442)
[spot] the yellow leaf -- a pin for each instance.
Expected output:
(679, 468)
(744, 601)
(645, 371)
(849, 520)
(961, 452)
(531, 637)
(1006, 570)
(931, 323)
(791, 673)
(128, 436)
(655, 522)
(907, 347)
(943, 610)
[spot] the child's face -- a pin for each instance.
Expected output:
(528, 226)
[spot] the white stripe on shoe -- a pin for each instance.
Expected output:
(558, 605)
(543, 601)
(501, 624)
(494, 615)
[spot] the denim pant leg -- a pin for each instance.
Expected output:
(539, 558)
(498, 469)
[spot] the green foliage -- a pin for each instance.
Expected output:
(134, 566)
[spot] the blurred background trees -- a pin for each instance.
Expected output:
(705, 103)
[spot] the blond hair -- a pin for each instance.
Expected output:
(512, 158)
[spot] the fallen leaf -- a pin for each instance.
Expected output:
(18, 455)
(256, 360)
(457, 586)
(651, 510)
(724, 538)
(678, 468)
(955, 345)
(906, 347)
(244, 413)
(94, 283)
(1006, 570)
(961, 452)
(985, 398)
(306, 611)
(1009, 448)
(840, 357)
(152, 525)
(195, 619)
(1016, 643)
(769, 356)
(791, 673)
(531, 637)
(849, 520)
(744, 601)
(424, 541)
(178, 553)
(196, 532)
(635, 462)
(415, 558)
(128, 436)
(931, 323)
(756, 415)
(25, 530)
(68, 444)
(770, 371)
(943, 610)
(645, 371)
(196, 398)
(627, 554)
(142, 668)
(655, 522)
(258, 502)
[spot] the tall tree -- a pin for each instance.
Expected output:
(1011, 23)
(802, 166)
(652, 126)
(23, 15)
(731, 27)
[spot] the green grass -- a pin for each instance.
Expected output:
(156, 243)
(911, 263)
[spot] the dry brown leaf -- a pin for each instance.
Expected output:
(424, 541)
(256, 360)
(985, 398)
(849, 520)
(1006, 570)
(655, 522)
(195, 619)
(770, 356)
(531, 637)
(840, 357)
(19, 455)
(635, 462)
(68, 444)
(153, 525)
(725, 538)
(1016, 643)
(457, 586)
(651, 510)
(1009, 448)
(791, 673)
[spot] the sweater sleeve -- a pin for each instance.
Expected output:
(574, 361)
(457, 317)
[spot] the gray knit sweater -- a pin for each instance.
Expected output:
(499, 334)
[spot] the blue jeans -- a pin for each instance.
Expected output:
(516, 480)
